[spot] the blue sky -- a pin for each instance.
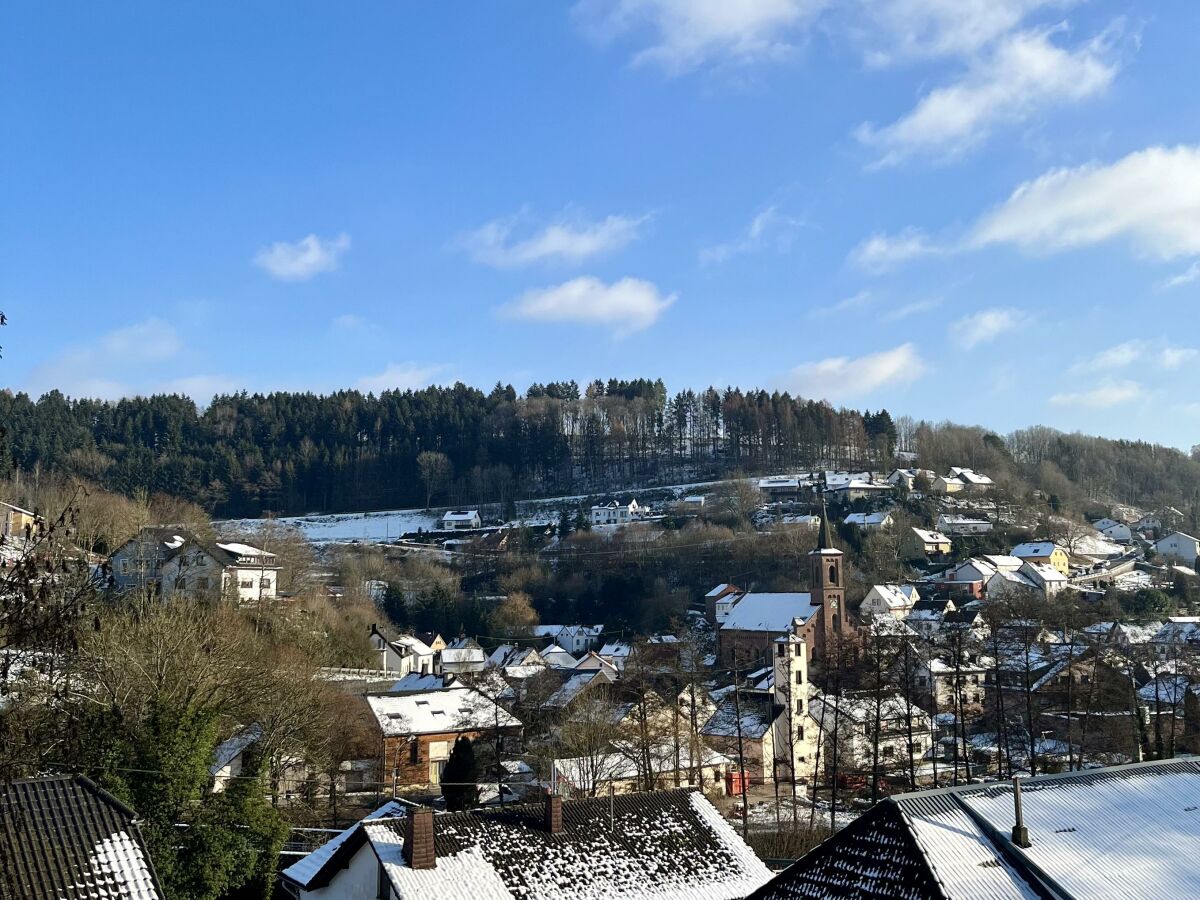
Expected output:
(979, 210)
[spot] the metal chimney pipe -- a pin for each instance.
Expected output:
(1020, 834)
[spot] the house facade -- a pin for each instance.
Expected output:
(174, 561)
(1179, 546)
(461, 520)
(616, 513)
(1046, 552)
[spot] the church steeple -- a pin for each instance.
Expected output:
(825, 580)
(824, 542)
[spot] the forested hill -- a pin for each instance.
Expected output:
(301, 452)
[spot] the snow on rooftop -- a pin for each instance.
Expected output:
(769, 612)
(238, 549)
(433, 712)
(306, 867)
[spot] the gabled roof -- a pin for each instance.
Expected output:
(63, 838)
(929, 536)
(769, 612)
(657, 844)
(755, 710)
(1124, 831)
(337, 850)
(435, 712)
(1034, 548)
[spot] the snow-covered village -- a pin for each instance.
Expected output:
(605, 450)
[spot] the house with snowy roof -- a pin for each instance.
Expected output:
(64, 837)
(622, 768)
(1103, 834)
(173, 560)
(907, 479)
(870, 521)
(765, 729)
(923, 542)
(888, 600)
(461, 520)
(660, 843)
(928, 615)
(904, 732)
(575, 639)
(419, 728)
(1043, 552)
(960, 524)
(1114, 530)
(403, 653)
(616, 512)
(720, 600)
(1179, 546)
(780, 488)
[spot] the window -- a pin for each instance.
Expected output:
(799, 650)
(247, 582)
(800, 735)
(435, 771)
(833, 577)
(265, 584)
(414, 754)
(800, 678)
(202, 584)
(782, 649)
(800, 708)
(889, 750)
(181, 583)
(124, 567)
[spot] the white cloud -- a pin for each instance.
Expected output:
(302, 259)
(565, 240)
(912, 309)
(1174, 357)
(120, 354)
(349, 322)
(985, 325)
(1116, 357)
(902, 30)
(625, 306)
(1187, 276)
(201, 388)
(1023, 75)
(1150, 198)
(881, 252)
(841, 377)
(768, 228)
(399, 377)
(1105, 395)
(689, 33)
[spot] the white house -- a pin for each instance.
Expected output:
(870, 521)
(1035, 577)
(1180, 546)
(403, 654)
(889, 600)
(575, 639)
(616, 513)
(854, 714)
(461, 520)
(860, 489)
(1114, 531)
(954, 524)
(174, 561)
(981, 568)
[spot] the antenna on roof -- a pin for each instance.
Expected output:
(1020, 834)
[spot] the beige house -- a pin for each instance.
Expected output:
(1046, 552)
(16, 522)
(171, 560)
(923, 542)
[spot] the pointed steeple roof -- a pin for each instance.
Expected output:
(824, 541)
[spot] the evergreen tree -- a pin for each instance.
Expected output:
(460, 777)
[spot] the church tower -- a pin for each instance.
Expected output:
(827, 583)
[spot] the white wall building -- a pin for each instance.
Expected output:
(461, 519)
(1180, 546)
(616, 513)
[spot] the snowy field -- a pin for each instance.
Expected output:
(387, 525)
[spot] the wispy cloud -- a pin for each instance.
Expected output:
(1174, 357)
(1116, 357)
(881, 252)
(841, 377)
(400, 377)
(1103, 396)
(682, 35)
(1022, 75)
(1187, 276)
(303, 259)
(911, 309)
(1149, 199)
(985, 325)
(769, 228)
(625, 306)
(349, 322)
(569, 239)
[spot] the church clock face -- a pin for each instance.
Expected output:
(833, 604)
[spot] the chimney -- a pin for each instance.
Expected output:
(1020, 834)
(418, 839)
(552, 813)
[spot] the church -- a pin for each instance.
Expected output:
(745, 639)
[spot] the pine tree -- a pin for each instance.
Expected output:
(460, 777)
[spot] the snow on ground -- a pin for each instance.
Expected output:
(387, 525)
(343, 528)
(1098, 546)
